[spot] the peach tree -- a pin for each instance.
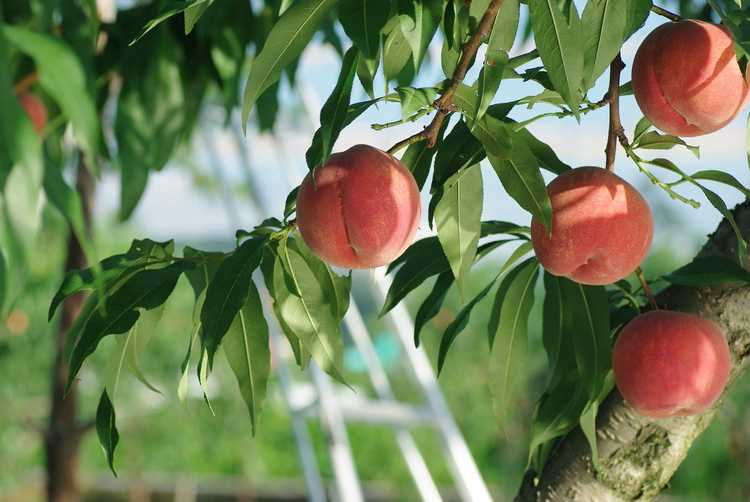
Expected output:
(143, 75)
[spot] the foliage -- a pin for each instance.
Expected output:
(156, 63)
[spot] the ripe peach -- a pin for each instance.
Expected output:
(686, 78)
(35, 109)
(361, 211)
(670, 363)
(601, 227)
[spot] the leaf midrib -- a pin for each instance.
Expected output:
(506, 376)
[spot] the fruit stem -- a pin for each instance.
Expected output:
(646, 288)
(616, 131)
(444, 104)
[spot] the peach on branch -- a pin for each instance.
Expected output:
(686, 78)
(35, 109)
(670, 363)
(362, 209)
(601, 227)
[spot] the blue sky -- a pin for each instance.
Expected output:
(174, 207)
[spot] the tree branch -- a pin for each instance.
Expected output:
(444, 104)
(638, 456)
(615, 125)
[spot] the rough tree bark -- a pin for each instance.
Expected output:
(638, 456)
(63, 435)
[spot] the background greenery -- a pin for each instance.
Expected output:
(162, 438)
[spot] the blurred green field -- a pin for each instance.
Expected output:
(161, 437)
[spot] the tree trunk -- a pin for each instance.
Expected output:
(638, 456)
(63, 435)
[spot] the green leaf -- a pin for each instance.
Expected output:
(558, 411)
(416, 99)
(721, 206)
(432, 303)
(312, 310)
(111, 270)
(458, 217)
(606, 24)
(421, 260)
(418, 159)
(722, 177)
(193, 14)
(136, 341)
(489, 80)
(492, 227)
(459, 323)
(334, 113)
(421, 22)
(247, 350)
(106, 429)
(363, 20)
(458, 151)
(653, 140)
(396, 50)
(520, 175)
(172, 8)
(63, 77)
(557, 31)
(119, 310)
(586, 321)
(559, 355)
(504, 28)
(288, 37)
(711, 271)
(545, 156)
(508, 331)
(150, 115)
(366, 70)
(227, 293)
(641, 127)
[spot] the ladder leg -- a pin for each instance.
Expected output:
(468, 479)
(414, 460)
(315, 490)
(347, 481)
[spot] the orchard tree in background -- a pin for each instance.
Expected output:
(142, 76)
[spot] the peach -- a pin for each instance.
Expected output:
(671, 364)
(35, 109)
(687, 80)
(601, 227)
(361, 211)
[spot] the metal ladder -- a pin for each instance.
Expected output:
(335, 405)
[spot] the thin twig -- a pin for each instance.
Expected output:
(26, 82)
(444, 103)
(615, 125)
(646, 288)
(664, 12)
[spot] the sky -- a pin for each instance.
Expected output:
(271, 164)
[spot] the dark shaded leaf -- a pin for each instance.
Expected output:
(106, 429)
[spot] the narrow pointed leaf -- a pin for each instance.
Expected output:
(247, 350)
(288, 37)
(106, 429)
(458, 219)
(227, 292)
(508, 330)
(118, 311)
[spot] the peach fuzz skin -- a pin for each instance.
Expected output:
(601, 227)
(671, 364)
(686, 78)
(362, 211)
(35, 109)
